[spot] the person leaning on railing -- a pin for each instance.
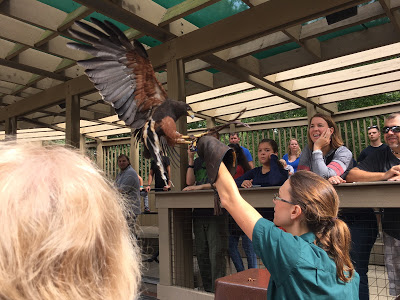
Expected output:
(385, 165)
(327, 157)
(309, 261)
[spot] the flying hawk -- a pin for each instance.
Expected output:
(122, 73)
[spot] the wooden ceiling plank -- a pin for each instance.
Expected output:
(19, 32)
(117, 13)
(22, 10)
(339, 62)
(183, 9)
(358, 93)
(14, 76)
(18, 48)
(260, 20)
(313, 46)
(365, 13)
(234, 99)
(219, 92)
(47, 98)
(264, 111)
(260, 44)
(258, 81)
(78, 14)
(249, 105)
(202, 77)
(26, 68)
(354, 84)
(381, 67)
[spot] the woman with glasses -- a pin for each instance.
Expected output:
(327, 157)
(309, 261)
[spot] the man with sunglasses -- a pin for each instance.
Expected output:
(385, 165)
(375, 143)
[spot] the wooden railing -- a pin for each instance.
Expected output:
(175, 227)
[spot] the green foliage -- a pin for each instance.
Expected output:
(297, 113)
(369, 101)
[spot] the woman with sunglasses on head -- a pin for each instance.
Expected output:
(327, 157)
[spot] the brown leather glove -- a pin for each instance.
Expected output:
(213, 152)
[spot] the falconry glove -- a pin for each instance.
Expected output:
(214, 152)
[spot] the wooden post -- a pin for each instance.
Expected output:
(176, 91)
(99, 154)
(183, 247)
(82, 144)
(72, 127)
(134, 154)
(10, 128)
(311, 110)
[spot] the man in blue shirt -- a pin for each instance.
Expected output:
(234, 139)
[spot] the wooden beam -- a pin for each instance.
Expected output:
(364, 71)
(176, 90)
(258, 81)
(47, 98)
(72, 130)
(30, 69)
(183, 9)
(354, 84)
(267, 102)
(260, 20)
(10, 127)
(264, 111)
(358, 93)
(312, 46)
(393, 16)
(231, 100)
(339, 62)
(121, 15)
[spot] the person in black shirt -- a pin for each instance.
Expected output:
(385, 165)
(375, 143)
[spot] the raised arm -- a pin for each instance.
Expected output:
(244, 214)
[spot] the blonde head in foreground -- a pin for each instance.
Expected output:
(63, 230)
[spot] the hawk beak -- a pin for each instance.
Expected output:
(190, 114)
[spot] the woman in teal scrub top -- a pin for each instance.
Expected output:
(309, 261)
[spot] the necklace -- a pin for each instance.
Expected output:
(394, 152)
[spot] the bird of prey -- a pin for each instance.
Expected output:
(122, 73)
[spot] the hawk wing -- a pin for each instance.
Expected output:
(120, 71)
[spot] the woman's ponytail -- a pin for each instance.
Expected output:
(320, 205)
(335, 239)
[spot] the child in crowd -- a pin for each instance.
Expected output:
(270, 173)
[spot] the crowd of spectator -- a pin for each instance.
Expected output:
(327, 156)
